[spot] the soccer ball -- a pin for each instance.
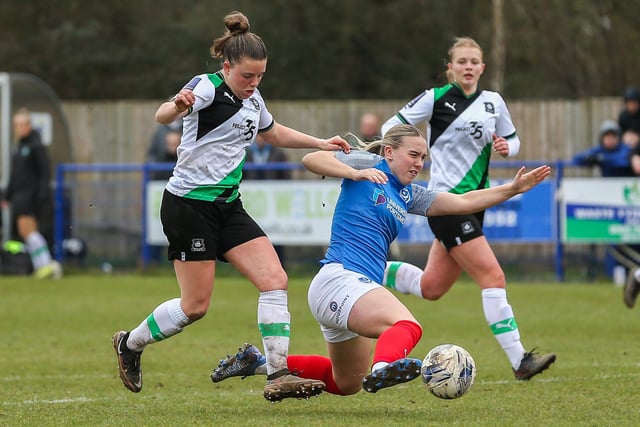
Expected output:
(448, 371)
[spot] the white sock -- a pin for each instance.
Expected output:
(636, 274)
(274, 324)
(167, 320)
(503, 324)
(38, 250)
(403, 277)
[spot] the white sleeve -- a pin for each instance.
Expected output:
(204, 91)
(418, 110)
(506, 129)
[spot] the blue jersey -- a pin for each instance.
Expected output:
(369, 216)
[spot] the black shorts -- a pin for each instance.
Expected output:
(24, 203)
(198, 230)
(454, 230)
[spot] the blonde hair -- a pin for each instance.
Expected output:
(457, 43)
(237, 41)
(393, 139)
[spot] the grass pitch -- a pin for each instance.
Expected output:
(57, 366)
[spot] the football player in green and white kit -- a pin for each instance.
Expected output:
(202, 213)
(466, 124)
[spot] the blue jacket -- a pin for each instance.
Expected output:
(612, 163)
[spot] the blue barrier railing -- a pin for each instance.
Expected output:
(147, 170)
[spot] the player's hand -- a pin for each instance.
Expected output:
(184, 100)
(526, 181)
(337, 143)
(371, 174)
(500, 145)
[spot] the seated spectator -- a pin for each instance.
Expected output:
(610, 154)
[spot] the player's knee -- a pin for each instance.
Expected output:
(349, 387)
(196, 310)
(431, 295)
(276, 280)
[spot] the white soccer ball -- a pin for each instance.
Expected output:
(448, 371)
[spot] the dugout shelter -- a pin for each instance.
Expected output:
(22, 90)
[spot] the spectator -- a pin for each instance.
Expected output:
(610, 154)
(157, 146)
(369, 127)
(261, 153)
(169, 155)
(28, 193)
(632, 139)
(629, 118)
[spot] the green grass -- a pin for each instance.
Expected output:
(57, 366)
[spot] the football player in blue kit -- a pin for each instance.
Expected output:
(346, 296)
(202, 213)
(466, 125)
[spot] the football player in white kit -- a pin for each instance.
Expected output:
(465, 126)
(202, 213)
(346, 296)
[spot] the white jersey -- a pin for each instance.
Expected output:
(215, 135)
(460, 130)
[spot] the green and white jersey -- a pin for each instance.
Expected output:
(460, 132)
(214, 138)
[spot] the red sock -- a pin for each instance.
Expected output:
(397, 341)
(316, 368)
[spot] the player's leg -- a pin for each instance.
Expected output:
(44, 265)
(194, 265)
(478, 260)
(345, 377)
(379, 314)
(258, 261)
(195, 279)
(350, 362)
(438, 276)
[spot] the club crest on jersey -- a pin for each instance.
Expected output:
(378, 197)
(197, 245)
(405, 195)
(467, 227)
(255, 103)
(489, 108)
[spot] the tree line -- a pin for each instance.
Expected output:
(324, 49)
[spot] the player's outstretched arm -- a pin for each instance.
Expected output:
(478, 200)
